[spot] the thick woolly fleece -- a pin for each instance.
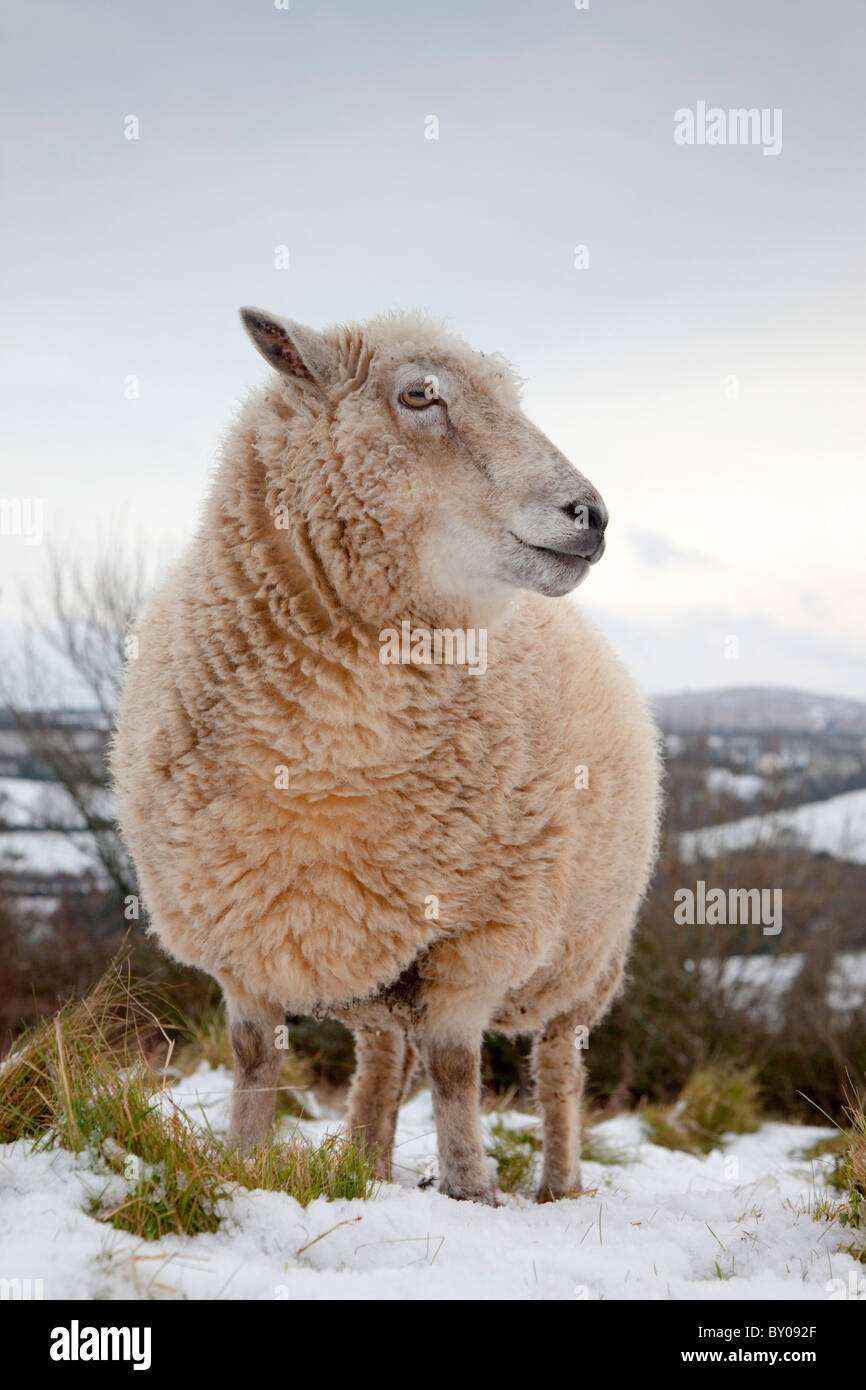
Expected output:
(308, 823)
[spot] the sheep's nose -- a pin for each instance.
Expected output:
(589, 515)
(589, 520)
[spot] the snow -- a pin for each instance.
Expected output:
(25, 805)
(836, 826)
(27, 801)
(759, 983)
(659, 1225)
(48, 852)
(743, 785)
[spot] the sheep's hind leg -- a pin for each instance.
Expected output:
(385, 1065)
(559, 1073)
(252, 1028)
(454, 1072)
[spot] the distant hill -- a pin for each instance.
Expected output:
(759, 709)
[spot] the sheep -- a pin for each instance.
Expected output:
(424, 850)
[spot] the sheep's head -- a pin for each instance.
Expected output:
(413, 455)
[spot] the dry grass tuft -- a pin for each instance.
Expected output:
(719, 1099)
(81, 1081)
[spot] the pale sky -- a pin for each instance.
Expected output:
(705, 370)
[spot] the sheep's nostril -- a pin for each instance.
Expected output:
(588, 515)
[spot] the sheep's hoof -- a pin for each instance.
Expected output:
(548, 1194)
(485, 1195)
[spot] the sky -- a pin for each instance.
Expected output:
(701, 360)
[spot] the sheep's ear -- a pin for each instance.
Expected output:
(289, 347)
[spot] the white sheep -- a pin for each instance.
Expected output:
(336, 824)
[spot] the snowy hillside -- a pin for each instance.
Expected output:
(836, 826)
(656, 1224)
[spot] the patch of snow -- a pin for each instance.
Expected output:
(48, 852)
(836, 826)
(743, 785)
(758, 983)
(27, 801)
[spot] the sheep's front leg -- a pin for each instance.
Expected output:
(252, 1028)
(464, 979)
(454, 1072)
(384, 1067)
(559, 1073)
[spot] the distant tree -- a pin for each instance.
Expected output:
(86, 622)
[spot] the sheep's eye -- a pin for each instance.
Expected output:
(422, 394)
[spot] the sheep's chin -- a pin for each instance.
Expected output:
(548, 573)
(459, 565)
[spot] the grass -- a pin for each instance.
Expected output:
(176, 1179)
(81, 1081)
(515, 1151)
(830, 1146)
(40, 1077)
(848, 1175)
(853, 1178)
(720, 1099)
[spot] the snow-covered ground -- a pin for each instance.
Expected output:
(836, 826)
(657, 1225)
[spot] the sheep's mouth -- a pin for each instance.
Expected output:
(566, 557)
